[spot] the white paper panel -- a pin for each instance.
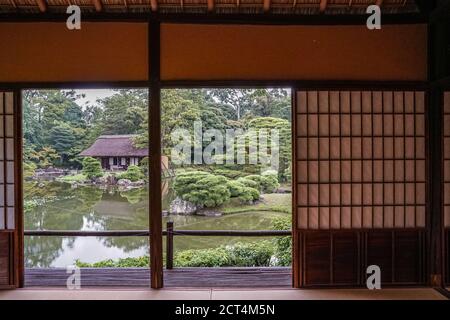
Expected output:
(9, 103)
(2, 195)
(9, 130)
(11, 220)
(361, 170)
(9, 149)
(2, 218)
(10, 195)
(2, 147)
(10, 172)
(7, 199)
(1, 102)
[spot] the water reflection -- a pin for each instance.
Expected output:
(58, 206)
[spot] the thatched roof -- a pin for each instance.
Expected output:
(303, 7)
(114, 146)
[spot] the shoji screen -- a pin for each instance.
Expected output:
(8, 191)
(361, 160)
(360, 184)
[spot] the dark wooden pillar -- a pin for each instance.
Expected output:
(155, 207)
(19, 214)
(438, 72)
(435, 217)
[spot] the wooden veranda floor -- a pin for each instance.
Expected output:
(179, 277)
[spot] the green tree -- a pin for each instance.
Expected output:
(46, 157)
(133, 173)
(52, 119)
(124, 112)
(63, 140)
(283, 245)
(284, 143)
(92, 168)
(237, 100)
(272, 103)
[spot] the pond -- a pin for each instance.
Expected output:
(58, 206)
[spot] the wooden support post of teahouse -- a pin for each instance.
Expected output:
(155, 207)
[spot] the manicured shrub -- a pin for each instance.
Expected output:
(269, 181)
(144, 164)
(202, 188)
(133, 173)
(257, 179)
(249, 183)
(244, 193)
(241, 254)
(139, 262)
(254, 254)
(283, 245)
(249, 194)
(92, 168)
(215, 257)
(236, 188)
(266, 183)
(228, 173)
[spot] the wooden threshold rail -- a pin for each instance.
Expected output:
(143, 233)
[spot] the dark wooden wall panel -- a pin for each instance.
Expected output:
(4, 259)
(447, 257)
(407, 257)
(379, 252)
(345, 258)
(317, 258)
(341, 258)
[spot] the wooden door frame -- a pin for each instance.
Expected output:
(432, 234)
(154, 84)
(154, 104)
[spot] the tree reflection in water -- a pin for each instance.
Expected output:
(58, 206)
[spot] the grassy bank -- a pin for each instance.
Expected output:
(276, 202)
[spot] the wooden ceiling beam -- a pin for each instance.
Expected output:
(97, 5)
(210, 5)
(323, 5)
(154, 5)
(266, 5)
(42, 5)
